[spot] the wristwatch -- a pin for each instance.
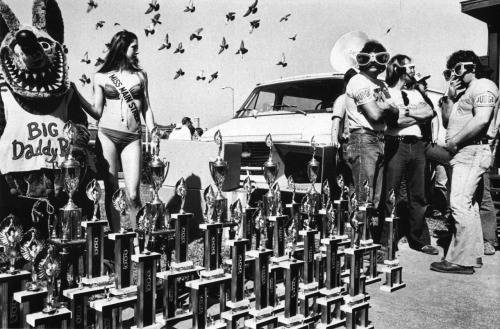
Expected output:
(407, 111)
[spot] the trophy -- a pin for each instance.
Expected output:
(218, 170)
(158, 171)
(330, 215)
(271, 169)
(392, 200)
(312, 174)
(70, 216)
(366, 189)
(94, 193)
(305, 206)
(11, 233)
(209, 197)
(344, 190)
(291, 237)
(260, 225)
(180, 190)
(249, 189)
(291, 186)
(120, 203)
(48, 267)
(277, 199)
(148, 225)
(355, 224)
(325, 200)
(31, 245)
(237, 217)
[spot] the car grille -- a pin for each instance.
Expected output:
(259, 153)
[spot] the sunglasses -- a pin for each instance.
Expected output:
(380, 58)
(458, 70)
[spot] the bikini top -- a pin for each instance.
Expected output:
(110, 91)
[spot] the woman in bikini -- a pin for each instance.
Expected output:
(120, 96)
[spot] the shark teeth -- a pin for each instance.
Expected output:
(43, 74)
(34, 75)
(43, 89)
(26, 75)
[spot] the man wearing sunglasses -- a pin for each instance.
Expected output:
(405, 153)
(467, 115)
(366, 108)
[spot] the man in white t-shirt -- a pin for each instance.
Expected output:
(405, 154)
(367, 108)
(182, 131)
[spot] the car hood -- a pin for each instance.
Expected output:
(282, 127)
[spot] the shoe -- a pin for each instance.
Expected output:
(429, 250)
(447, 267)
(479, 262)
(488, 249)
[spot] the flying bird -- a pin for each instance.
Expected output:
(223, 46)
(254, 24)
(213, 76)
(252, 9)
(85, 58)
(156, 19)
(230, 16)
(190, 7)
(166, 44)
(84, 80)
(99, 61)
(179, 73)
(389, 29)
(150, 29)
(282, 62)
(242, 50)
(293, 38)
(201, 76)
(99, 24)
(179, 48)
(153, 5)
(284, 18)
(116, 24)
(196, 35)
(92, 5)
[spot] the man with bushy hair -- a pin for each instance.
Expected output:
(468, 111)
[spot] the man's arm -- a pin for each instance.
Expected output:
(335, 132)
(377, 110)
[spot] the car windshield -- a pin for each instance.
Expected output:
(293, 97)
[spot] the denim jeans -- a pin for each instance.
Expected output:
(467, 168)
(440, 158)
(405, 162)
(365, 154)
(487, 210)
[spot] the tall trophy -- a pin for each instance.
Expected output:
(49, 268)
(312, 174)
(181, 191)
(248, 226)
(271, 169)
(11, 234)
(248, 188)
(260, 226)
(120, 203)
(218, 170)
(70, 216)
(237, 218)
(31, 245)
(291, 239)
(94, 193)
(158, 171)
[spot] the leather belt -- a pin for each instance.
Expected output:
(366, 131)
(482, 141)
(408, 139)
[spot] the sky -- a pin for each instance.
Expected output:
(426, 30)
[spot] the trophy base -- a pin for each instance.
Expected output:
(332, 292)
(238, 306)
(177, 267)
(33, 287)
(291, 321)
(97, 280)
(307, 287)
(123, 291)
(13, 271)
(212, 274)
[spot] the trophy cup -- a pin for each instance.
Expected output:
(158, 171)
(31, 245)
(180, 190)
(249, 188)
(344, 190)
(209, 197)
(218, 171)
(120, 203)
(146, 225)
(271, 169)
(11, 233)
(330, 216)
(49, 268)
(237, 218)
(70, 216)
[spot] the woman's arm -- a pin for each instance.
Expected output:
(147, 112)
(94, 111)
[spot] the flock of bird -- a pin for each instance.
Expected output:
(154, 6)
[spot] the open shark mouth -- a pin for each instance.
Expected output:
(48, 81)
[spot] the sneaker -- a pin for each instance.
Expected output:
(479, 262)
(488, 249)
(429, 250)
(447, 267)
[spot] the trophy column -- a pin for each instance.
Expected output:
(308, 289)
(95, 252)
(291, 317)
(366, 243)
(10, 309)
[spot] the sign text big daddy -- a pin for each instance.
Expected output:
(43, 140)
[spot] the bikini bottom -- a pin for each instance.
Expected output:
(120, 138)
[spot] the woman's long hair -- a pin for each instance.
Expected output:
(394, 69)
(116, 59)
